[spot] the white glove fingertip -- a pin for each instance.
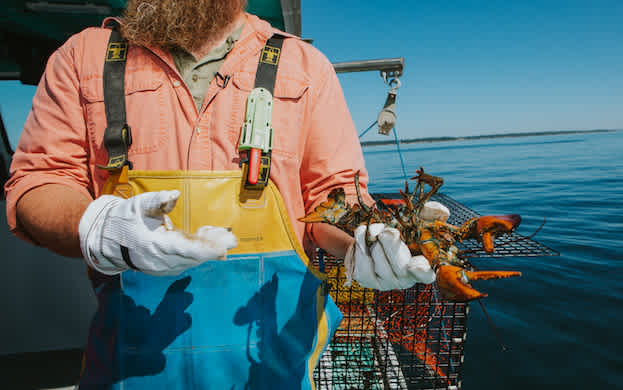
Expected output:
(196, 249)
(374, 230)
(421, 269)
(217, 236)
(231, 242)
(434, 211)
(168, 199)
(155, 204)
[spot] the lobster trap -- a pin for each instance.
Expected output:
(403, 339)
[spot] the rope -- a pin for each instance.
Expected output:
(368, 129)
(402, 162)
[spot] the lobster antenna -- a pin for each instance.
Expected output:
(359, 198)
(398, 217)
(527, 237)
(492, 326)
(419, 189)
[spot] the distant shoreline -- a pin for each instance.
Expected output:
(485, 136)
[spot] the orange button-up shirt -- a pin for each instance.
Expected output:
(315, 145)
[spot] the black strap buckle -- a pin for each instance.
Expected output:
(117, 141)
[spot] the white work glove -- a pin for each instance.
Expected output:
(141, 225)
(388, 263)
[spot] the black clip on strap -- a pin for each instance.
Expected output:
(264, 174)
(118, 136)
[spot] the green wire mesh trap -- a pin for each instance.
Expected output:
(401, 339)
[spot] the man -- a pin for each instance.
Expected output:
(170, 316)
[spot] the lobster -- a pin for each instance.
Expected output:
(424, 231)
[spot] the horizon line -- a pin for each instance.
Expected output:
(485, 136)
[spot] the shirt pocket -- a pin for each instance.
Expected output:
(289, 101)
(145, 114)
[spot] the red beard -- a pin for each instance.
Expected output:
(185, 24)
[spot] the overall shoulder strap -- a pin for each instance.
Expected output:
(256, 136)
(269, 60)
(118, 136)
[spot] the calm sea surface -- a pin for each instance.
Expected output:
(562, 320)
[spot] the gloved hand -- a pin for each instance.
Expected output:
(117, 234)
(388, 263)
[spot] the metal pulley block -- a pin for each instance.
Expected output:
(387, 117)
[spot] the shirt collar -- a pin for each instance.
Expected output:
(253, 37)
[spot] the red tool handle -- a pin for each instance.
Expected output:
(254, 166)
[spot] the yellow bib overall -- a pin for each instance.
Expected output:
(258, 320)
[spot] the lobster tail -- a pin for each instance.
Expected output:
(330, 211)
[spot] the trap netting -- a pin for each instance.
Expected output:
(401, 339)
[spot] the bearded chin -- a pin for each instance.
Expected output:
(185, 24)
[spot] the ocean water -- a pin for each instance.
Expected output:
(562, 320)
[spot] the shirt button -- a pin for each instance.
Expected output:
(195, 78)
(198, 130)
(176, 83)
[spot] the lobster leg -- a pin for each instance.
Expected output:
(422, 178)
(454, 282)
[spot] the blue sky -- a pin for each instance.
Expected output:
(471, 67)
(480, 67)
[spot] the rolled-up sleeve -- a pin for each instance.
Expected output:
(53, 147)
(332, 153)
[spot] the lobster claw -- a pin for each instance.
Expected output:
(454, 281)
(488, 227)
